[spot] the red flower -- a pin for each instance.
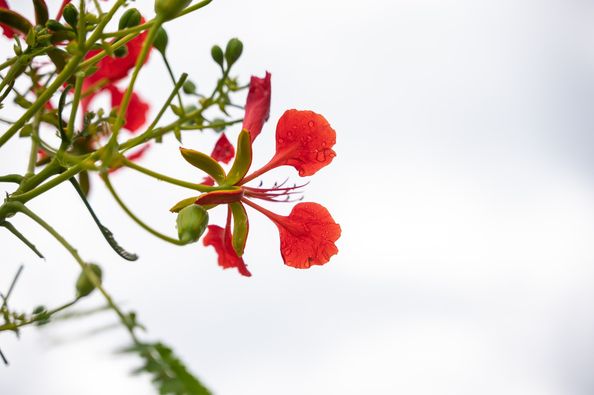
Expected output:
(113, 69)
(308, 234)
(257, 105)
(7, 31)
(223, 150)
(136, 114)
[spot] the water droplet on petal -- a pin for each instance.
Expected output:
(311, 124)
(281, 140)
(321, 156)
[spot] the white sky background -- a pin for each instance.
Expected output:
(463, 185)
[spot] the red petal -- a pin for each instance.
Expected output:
(7, 31)
(221, 241)
(136, 113)
(138, 153)
(208, 180)
(304, 140)
(223, 150)
(114, 69)
(257, 105)
(307, 235)
(61, 10)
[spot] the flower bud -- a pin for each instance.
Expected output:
(191, 223)
(233, 51)
(71, 15)
(130, 18)
(168, 9)
(161, 40)
(84, 285)
(54, 25)
(189, 87)
(121, 51)
(217, 54)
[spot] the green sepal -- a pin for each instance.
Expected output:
(41, 14)
(243, 159)
(222, 196)
(183, 203)
(204, 163)
(14, 20)
(241, 227)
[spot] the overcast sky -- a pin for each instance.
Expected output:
(463, 183)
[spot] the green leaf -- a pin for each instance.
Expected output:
(104, 231)
(243, 159)
(21, 237)
(204, 163)
(169, 375)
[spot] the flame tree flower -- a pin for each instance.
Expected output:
(304, 140)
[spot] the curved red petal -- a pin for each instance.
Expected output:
(307, 235)
(304, 140)
(223, 150)
(221, 241)
(208, 181)
(257, 105)
(7, 31)
(114, 69)
(136, 114)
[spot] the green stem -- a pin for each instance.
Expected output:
(171, 180)
(75, 102)
(89, 273)
(148, 133)
(26, 196)
(170, 71)
(68, 70)
(143, 225)
(146, 46)
(41, 317)
(15, 178)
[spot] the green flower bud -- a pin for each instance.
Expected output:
(130, 18)
(161, 40)
(71, 15)
(121, 51)
(233, 51)
(191, 223)
(84, 286)
(54, 25)
(217, 54)
(168, 9)
(189, 87)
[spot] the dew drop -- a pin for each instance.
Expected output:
(311, 124)
(321, 156)
(281, 140)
